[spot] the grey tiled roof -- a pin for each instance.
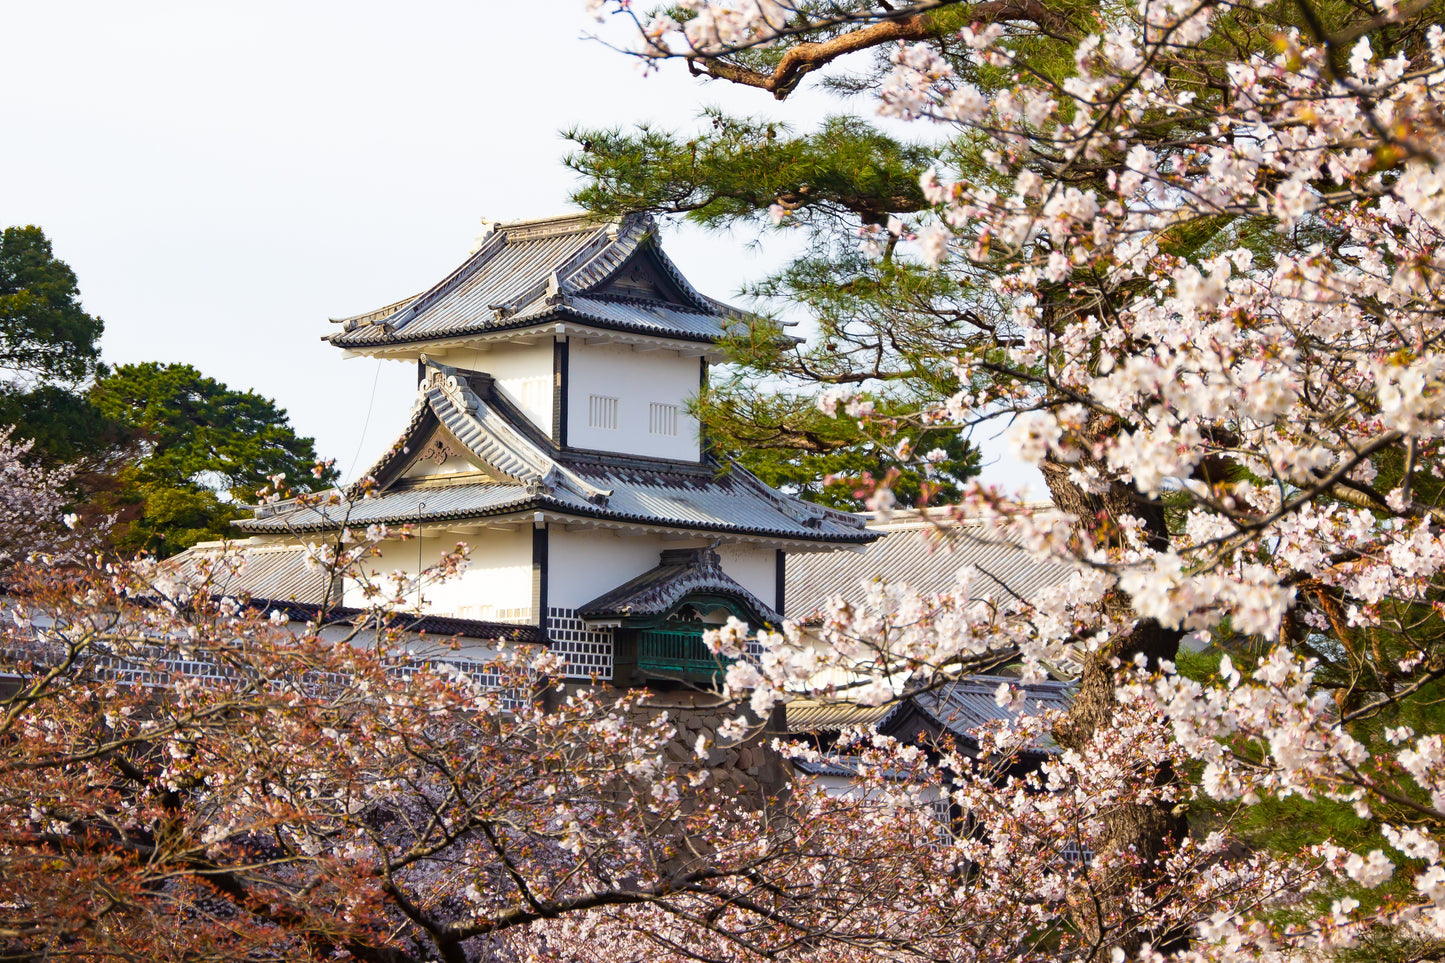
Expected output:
(681, 501)
(958, 709)
(963, 706)
(528, 272)
(275, 572)
(656, 592)
(394, 508)
(805, 715)
(926, 555)
(735, 501)
(630, 490)
(644, 317)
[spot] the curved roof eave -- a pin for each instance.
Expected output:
(550, 316)
(563, 509)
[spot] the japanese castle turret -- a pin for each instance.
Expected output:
(551, 432)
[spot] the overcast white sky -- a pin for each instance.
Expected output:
(225, 176)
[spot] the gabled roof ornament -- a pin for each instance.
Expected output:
(488, 229)
(475, 424)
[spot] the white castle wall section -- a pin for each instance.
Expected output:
(584, 564)
(523, 373)
(495, 587)
(638, 381)
(581, 565)
(752, 566)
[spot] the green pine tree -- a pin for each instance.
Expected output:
(205, 449)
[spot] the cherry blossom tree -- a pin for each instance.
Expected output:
(186, 777)
(191, 776)
(1206, 257)
(1211, 248)
(32, 503)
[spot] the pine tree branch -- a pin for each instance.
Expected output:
(807, 57)
(810, 56)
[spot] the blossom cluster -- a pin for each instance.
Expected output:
(1220, 340)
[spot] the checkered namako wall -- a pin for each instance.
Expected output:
(588, 650)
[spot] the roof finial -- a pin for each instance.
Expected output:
(488, 229)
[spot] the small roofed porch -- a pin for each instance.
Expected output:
(659, 617)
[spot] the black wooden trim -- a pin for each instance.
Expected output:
(860, 536)
(575, 457)
(420, 371)
(561, 356)
(781, 582)
(702, 446)
(539, 575)
(545, 320)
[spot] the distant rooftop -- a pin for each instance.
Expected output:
(925, 551)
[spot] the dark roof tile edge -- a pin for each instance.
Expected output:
(440, 625)
(545, 503)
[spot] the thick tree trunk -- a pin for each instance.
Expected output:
(1147, 831)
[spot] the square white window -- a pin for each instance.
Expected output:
(662, 419)
(601, 412)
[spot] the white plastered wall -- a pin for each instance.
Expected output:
(523, 373)
(496, 585)
(584, 564)
(637, 380)
(581, 565)
(755, 567)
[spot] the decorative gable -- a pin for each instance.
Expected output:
(440, 456)
(642, 278)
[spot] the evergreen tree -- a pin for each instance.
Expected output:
(172, 453)
(887, 322)
(50, 349)
(45, 334)
(205, 449)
